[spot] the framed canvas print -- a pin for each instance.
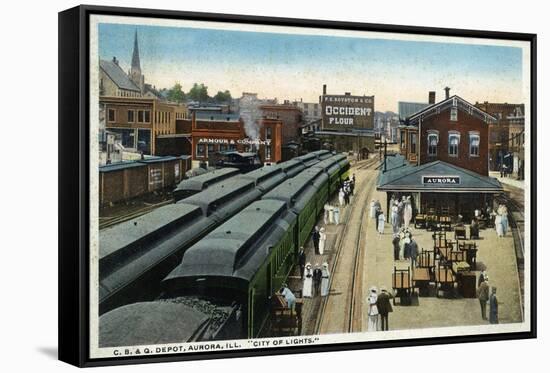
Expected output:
(232, 185)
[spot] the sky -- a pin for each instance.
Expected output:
(294, 67)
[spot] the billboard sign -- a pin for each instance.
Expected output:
(341, 112)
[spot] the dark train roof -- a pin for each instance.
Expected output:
(308, 159)
(120, 166)
(200, 182)
(150, 323)
(292, 190)
(265, 177)
(154, 223)
(328, 163)
(291, 167)
(322, 154)
(232, 250)
(158, 159)
(210, 199)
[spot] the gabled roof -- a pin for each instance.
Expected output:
(401, 175)
(117, 75)
(453, 101)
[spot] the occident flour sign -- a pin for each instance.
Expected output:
(346, 111)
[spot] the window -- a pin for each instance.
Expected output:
(268, 133)
(144, 116)
(267, 152)
(111, 115)
(433, 139)
(201, 150)
(474, 144)
(223, 147)
(454, 140)
(147, 116)
(402, 139)
(210, 149)
(454, 114)
(130, 116)
(413, 142)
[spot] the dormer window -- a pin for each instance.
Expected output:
(454, 114)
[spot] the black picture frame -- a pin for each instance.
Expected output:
(74, 182)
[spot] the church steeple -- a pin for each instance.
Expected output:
(136, 68)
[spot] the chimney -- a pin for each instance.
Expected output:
(347, 94)
(431, 97)
(324, 89)
(115, 60)
(447, 89)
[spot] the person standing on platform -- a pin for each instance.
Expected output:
(481, 278)
(394, 218)
(372, 212)
(302, 261)
(413, 251)
(325, 277)
(289, 296)
(336, 215)
(400, 211)
(396, 247)
(406, 248)
(346, 193)
(381, 221)
(325, 213)
(498, 225)
(504, 219)
(307, 290)
(315, 238)
(372, 312)
(341, 197)
(493, 307)
(317, 276)
(376, 217)
(352, 185)
(384, 307)
(483, 296)
(322, 241)
(407, 212)
(331, 214)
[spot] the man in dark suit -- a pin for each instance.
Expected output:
(315, 236)
(384, 307)
(302, 261)
(317, 277)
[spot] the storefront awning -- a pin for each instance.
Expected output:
(437, 176)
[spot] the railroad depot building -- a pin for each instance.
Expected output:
(347, 122)
(443, 160)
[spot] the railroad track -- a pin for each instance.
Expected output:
(106, 222)
(517, 227)
(352, 321)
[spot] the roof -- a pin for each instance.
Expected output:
(119, 166)
(437, 176)
(456, 101)
(117, 75)
(158, 159)
(219, 117)
(202, 181)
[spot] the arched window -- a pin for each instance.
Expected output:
(454, 140)
(474, 144)
(433, 139)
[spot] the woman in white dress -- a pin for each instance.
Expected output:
(331, 214)
(307, 291)
(341, 197)
(504, 219)
(381, 221)
(322, 240)
(325, 280)
(325, 214)
(336, 215)
(395, 218)
(372, 212)
(498, 225)
(372, 310)
(407, 212)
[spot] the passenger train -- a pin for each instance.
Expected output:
(136, 255)
(223, 285)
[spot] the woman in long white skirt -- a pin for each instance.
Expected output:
(331, 214)
(504, 219)
(372, 325)
(322, 240)
(341, 197)
(498, 226)
(407, 213)
(381, 221)
(325, 280)
(325, 213)
(372, 212)
(307, 291)
(336, 215)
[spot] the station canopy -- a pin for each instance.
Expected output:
(437, 176)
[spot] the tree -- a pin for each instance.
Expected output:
(199, 92)
(175, 93)
(223, 96)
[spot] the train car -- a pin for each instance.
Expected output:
(245, 162)
(333, 169)
(322, 154)
(308, 159)
(266, 178)
(292, 167)
(193, 185)
(299, 195)
(344, 166)
(244, 261)
(136, 255)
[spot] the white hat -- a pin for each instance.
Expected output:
(373, 289)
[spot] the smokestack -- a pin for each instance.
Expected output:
(324, 89)
(431, 97)
(447, 89)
